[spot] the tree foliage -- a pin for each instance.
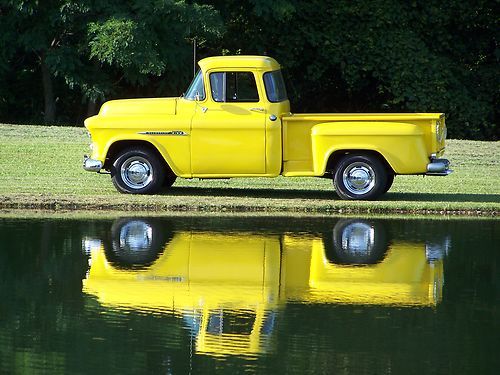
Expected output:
(338, 56)
(380, 55)
(88, 51)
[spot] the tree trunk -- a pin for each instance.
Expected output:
(49, 116)
(91, 108)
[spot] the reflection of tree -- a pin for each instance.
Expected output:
(40, 271)
(46, 321)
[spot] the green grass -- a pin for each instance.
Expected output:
(40, 168)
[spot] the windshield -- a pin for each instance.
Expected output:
(275, 86)
(196, 88)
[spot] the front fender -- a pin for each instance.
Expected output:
(104, 139)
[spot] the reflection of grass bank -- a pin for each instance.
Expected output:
(187, 217)
(40, 168)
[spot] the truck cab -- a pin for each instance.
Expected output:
(236, 127)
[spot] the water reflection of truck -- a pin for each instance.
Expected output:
(228, 286)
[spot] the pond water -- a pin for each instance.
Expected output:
(265, 295)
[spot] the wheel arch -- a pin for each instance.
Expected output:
(117, 147)
(336, 156)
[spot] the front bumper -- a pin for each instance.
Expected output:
(438, 167)
(91, 165)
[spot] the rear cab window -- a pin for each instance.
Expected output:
(275, 86)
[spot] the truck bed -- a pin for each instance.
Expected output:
(300, 131)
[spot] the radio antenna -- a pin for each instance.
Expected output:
(194, 57)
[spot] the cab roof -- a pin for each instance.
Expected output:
(241, 61)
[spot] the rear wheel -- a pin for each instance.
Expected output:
(138, 171)
(390, 180)
(360, 177)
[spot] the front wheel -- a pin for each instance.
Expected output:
(138, 171)
(360, 177)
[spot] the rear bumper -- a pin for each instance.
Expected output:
(438, 167)
(91, 165)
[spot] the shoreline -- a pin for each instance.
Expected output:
(234, 206)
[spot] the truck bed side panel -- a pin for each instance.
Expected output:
(404, 140)
(401, 144)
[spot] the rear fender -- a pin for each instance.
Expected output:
(400, 145)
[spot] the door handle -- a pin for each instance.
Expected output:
(257, 109)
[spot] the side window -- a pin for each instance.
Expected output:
(234, 87)
(218, 86)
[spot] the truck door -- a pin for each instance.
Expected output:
(228, 136)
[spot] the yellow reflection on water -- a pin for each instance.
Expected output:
(228, 287)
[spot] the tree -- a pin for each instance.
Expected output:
(49, 37)
(96, 48)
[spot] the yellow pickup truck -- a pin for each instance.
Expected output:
(234, 121)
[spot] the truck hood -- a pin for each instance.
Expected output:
(139, 107)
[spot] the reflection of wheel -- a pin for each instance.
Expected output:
(360, 177)
(357, 242)
(138, 171)
(137, 242)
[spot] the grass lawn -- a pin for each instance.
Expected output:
(41, 168)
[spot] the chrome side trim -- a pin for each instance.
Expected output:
(172, 132)
(257, 109)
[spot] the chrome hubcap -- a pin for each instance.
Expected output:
(358, 238)
(136, 172)
(359, 178)
(136, 236)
